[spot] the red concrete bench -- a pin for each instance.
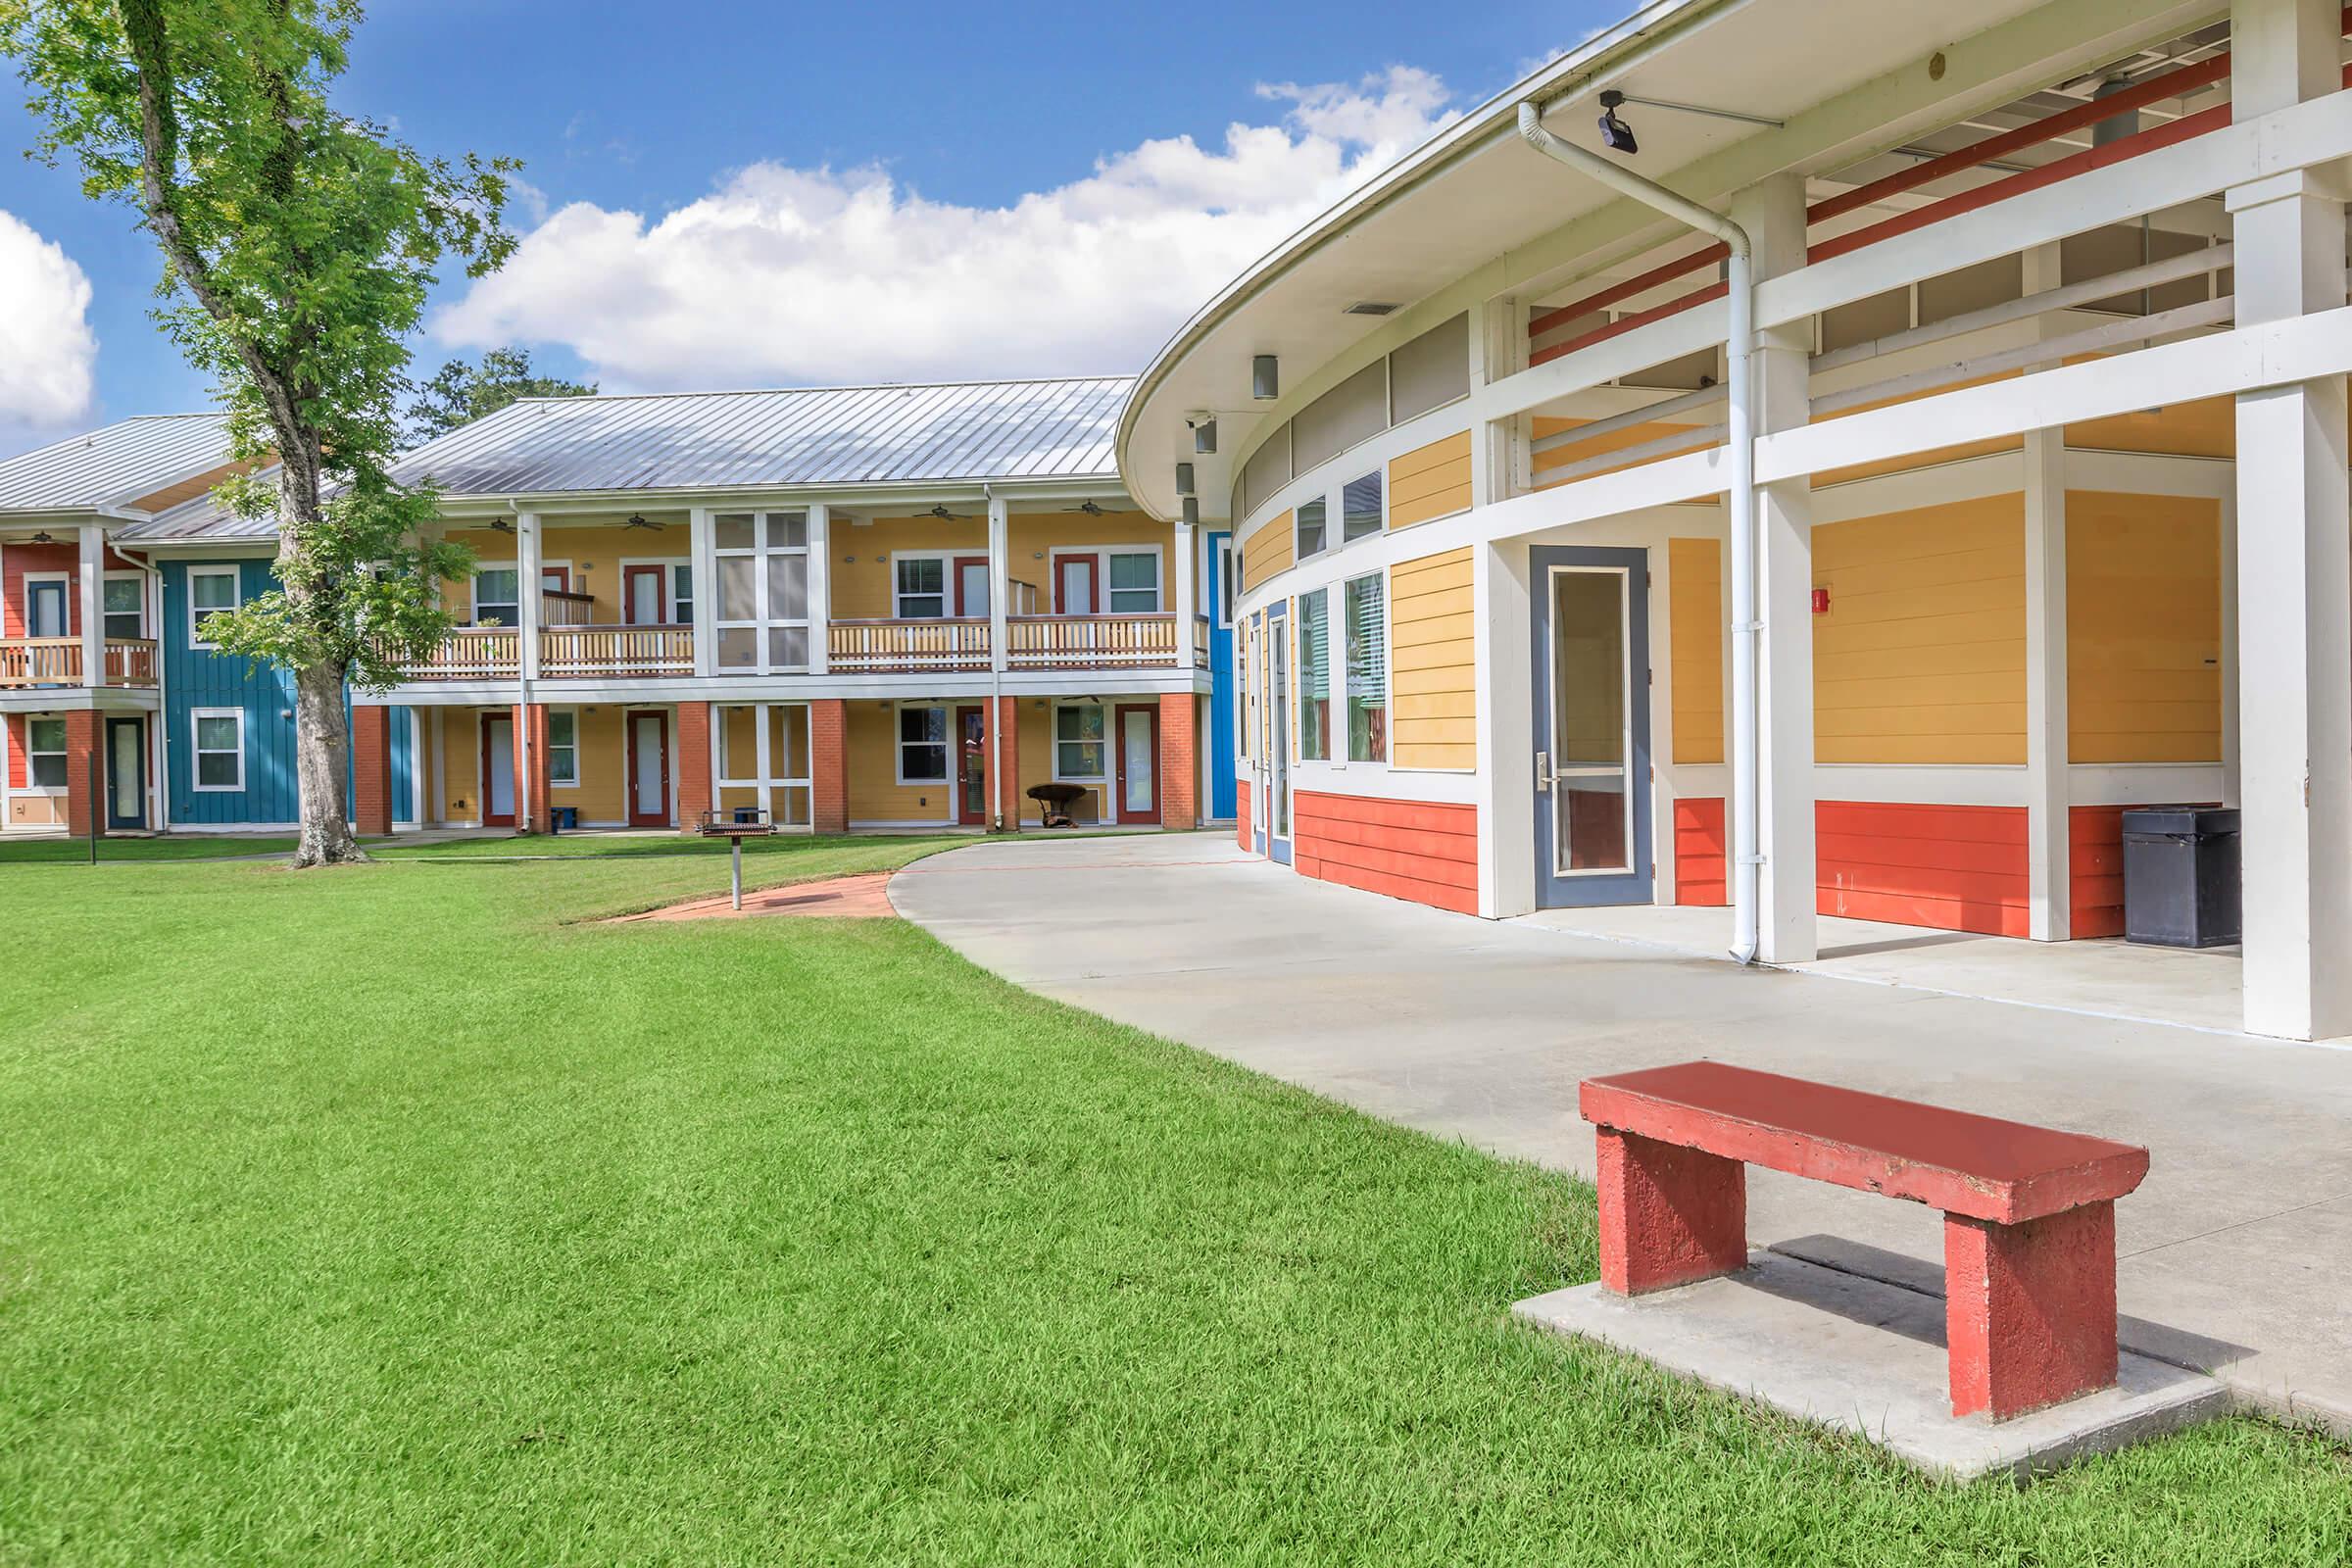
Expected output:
(2029, 1212)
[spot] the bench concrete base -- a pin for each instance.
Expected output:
(1865, 1356)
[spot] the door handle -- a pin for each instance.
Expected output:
(1545, 777)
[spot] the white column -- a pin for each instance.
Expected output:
(706, 592)
(92, 603)
(1774, 215)
(1503, 632)
(1000, 526)
(1186, 565)
(2295, 512)
(527, 591)
(820, 588)
(2049, 803)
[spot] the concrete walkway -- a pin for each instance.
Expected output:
(2236, 1252)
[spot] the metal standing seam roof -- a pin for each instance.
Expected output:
(201, 517)
(856, 435)
(114, 465)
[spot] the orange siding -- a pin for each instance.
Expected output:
(1700, 861)
(2096, 870)
(1241, 815)
(1411, 849)
(1952, 867)
(1431, 481)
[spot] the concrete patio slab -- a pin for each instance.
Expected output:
(2236, 1246)
(1867, 1357)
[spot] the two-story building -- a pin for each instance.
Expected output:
(1813, 457)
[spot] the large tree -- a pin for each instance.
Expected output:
(299, 244)
(461, 393)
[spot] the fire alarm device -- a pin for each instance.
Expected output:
(1821, 601)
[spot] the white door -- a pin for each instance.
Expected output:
(652, 784)
(1136, 794)
(498, 736)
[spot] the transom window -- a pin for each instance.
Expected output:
(210, 588)
(220, 748)
(762, 609)
(922, 745)
(563, 747)
(1310, 527)
(1078, 751)
(45, 753)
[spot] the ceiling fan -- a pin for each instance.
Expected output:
(942, 513)
(638, 519)
(1093, 508)
(42, 538)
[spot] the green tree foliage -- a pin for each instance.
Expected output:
(461, 393)
(298, 246)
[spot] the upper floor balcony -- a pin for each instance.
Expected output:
(59, 661)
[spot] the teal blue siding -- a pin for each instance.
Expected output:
(198, 678)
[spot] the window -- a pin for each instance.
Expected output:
(563, 747)
(1134, 582)
(781, 784)
(681, 593)
(1360, 511)
(1367, 669)
(1315, 675)
(762, 559)
(220, 748)
(1310, 527)
(124, 604)
(921, 588)
(922, 745)
(1078, 741)
(210, 588)
(1225, 585)
(45, 753)
(497, 599)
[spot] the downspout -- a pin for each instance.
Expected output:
(995, 759)
(1740, 436)
(159, 732)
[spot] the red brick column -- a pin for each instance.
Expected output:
(372, 771)
(1179, 761)
(530, 765)
(2029, 1309)
(829, 765)
(693, 765)
(1004, 731)
(83, 807)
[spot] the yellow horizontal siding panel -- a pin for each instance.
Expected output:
(2204, 428)
(875, 795)
(1694, 636)
(2143, 607)
(1432, 663)
(1921, 656)
(1430, 481)
(1267, 552)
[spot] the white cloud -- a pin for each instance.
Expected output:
(787, 276)
(47, 350)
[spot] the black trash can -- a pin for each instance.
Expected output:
(564, 818)
(2181, 876)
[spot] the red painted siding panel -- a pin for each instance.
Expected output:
(2096, 866)
(1701, 861)
(1951, 867)
(1413, 850)
(1241, 815)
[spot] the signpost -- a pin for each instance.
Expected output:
(735, 824)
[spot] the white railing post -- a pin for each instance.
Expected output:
(92, 596)
(820, 587)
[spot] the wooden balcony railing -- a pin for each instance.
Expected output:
(472, 653)
(1089, 642)
(620, 651)
(558, 608)
(56, 662)
(868, 646)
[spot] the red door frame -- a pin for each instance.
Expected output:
(1118, 751)
(628, 595)
(971, 762)
(487, 820)
(628, 720)
(562, 582)
(955, 606)
(1062, 566)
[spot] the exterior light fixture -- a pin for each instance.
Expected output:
(1615, 133)
(1265, 378)
(1204, 436)
(1192, 512)
(1184, 479)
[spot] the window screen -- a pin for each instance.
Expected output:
(1315, 675)
(1351, 412)
(1368, 671)
(1267, 471)
(1434, 369)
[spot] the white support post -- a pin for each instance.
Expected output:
(1787, 927)
(528, 592)
(90, 586)
(2295, 539)
(820, 587)
(2230, 796)
(2049, 804)
(1000, 588)
(764, 799)
(1187, 563)
(705, 567)
(1502, 633)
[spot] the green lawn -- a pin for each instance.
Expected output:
(394, 1214)
(77, 852)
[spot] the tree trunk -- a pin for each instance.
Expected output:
(323, 766)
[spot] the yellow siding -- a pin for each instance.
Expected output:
(1430, 481)
(1694, 626)
(460, 763)
(1920, 459)
(861, 562)
(1032, 539)
(875, 795)
(1267, 551)
(1921, 656)
(1432, 663)
(1037, 761)
(603, 767)
(1615, 441)
(2143, 611)
(2205, 428)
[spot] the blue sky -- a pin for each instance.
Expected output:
(752, 194)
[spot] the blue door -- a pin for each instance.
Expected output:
(1223, 802)
(1278, 731)
(1592, 730)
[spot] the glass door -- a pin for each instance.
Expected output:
(1278, 733)
(126, 773)
(649, 769)
(971, 786)
(45, 608)
(643, 595)
(1592, 730)
(1139, 762)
